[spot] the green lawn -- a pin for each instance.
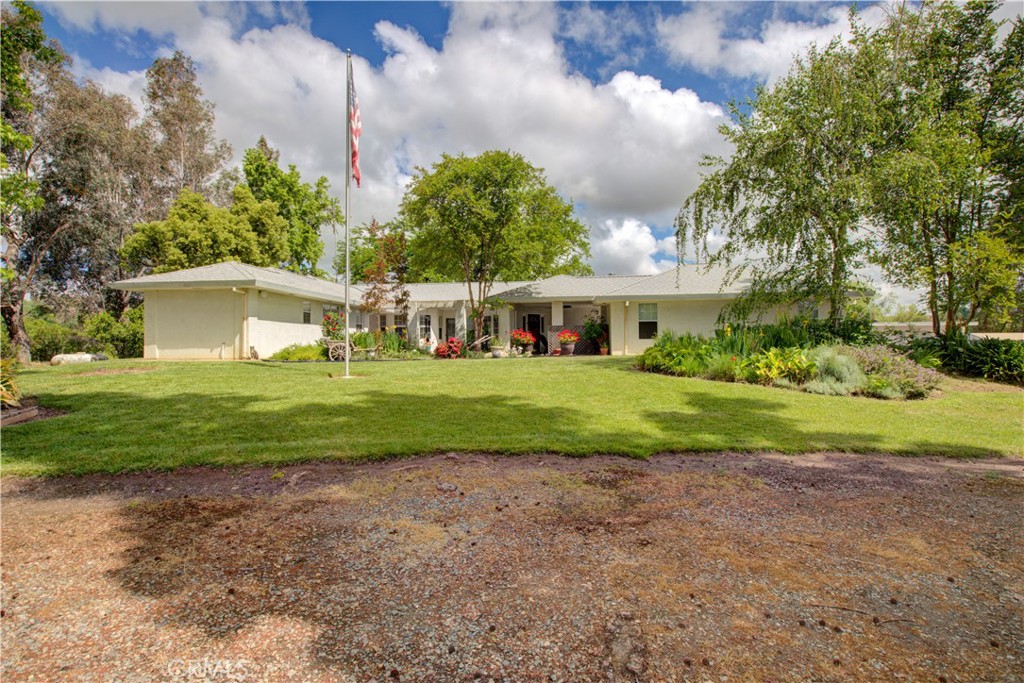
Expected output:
(177, 414)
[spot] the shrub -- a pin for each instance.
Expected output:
(6, 349)
(362, 340)
(47, 338)
(792, 364)
(10, 393)
(391, 342)
(890, 372)
(453, 348)
(121, 338)
(301, 352)
(838, 374)
(829, 386)
(723, 367)
(1001, 360)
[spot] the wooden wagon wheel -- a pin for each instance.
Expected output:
(336, 352)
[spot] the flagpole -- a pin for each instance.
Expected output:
(348, 184)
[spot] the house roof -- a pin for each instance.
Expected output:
(570, 288)
(235, 274)
(681, 282)
(424, 292)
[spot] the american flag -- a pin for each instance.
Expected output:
(355, 124)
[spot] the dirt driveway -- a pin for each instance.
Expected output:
(475, 568)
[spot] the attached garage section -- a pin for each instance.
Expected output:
(202, 324)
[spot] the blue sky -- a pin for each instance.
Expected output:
(616, 101)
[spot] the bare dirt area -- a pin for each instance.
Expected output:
(722, 567)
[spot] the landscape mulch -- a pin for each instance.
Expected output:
(464, 567)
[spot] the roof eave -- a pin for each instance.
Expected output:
(702, 296)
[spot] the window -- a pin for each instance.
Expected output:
(648, 315)
(307, 313)
(424, 326)
(449, 328)
(401, 323)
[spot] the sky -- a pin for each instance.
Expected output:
(617, 102)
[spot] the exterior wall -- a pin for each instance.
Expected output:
(694, 316)
(275, 321)
(194, 324)
(574, 317)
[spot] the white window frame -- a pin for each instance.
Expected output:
(644, 315)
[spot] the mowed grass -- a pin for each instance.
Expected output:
(159, 415)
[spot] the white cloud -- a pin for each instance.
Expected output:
(699, 38)
(630, 246)
(626, 150)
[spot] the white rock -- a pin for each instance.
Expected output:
(62, 358)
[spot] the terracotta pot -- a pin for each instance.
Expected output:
(603, 351)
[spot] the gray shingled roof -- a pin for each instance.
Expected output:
(235, 274)
(443, 292)
(570, 288)
(681, 282)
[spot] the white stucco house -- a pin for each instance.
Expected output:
(230, 310)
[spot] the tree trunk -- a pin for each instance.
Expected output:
(15, 322)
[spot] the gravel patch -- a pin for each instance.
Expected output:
(464, 567)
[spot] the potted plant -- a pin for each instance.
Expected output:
(567, 339)
(522, 341)
(602, 347)
(498, 347)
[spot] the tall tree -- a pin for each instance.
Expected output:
(948, 182)
(197, 233)
(189, 153)
(307, 208)
(487, 217)
(24, 46)
(790, 200)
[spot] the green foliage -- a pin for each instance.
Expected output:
(1000, 360)
(10, 391)
(792, 364)
(197, 233)
(363, 340)
(493, 216)
(23, 40)
(6, 349)
(891, 374)
(188, 155)
(47, 337)
(946, 181)
(119, 338)
(837, 374)
(724, 367)
(392, 343)
(305, 208)
(793, 189)
(301, 352)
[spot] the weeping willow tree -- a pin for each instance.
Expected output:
(789, 202)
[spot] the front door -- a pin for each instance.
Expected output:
(535, 326)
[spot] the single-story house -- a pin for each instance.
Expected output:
(232, 310)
